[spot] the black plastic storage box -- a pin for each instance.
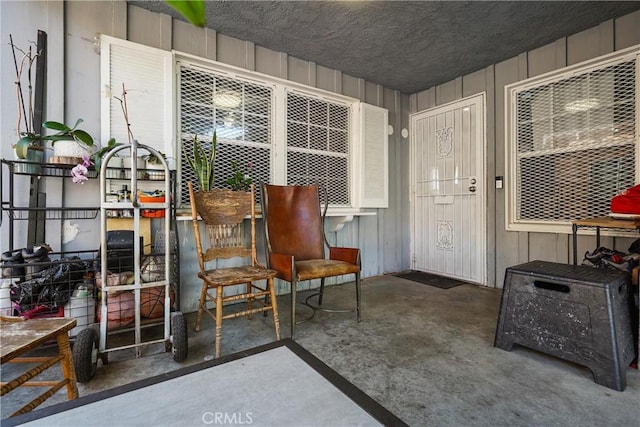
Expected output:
(577, 313)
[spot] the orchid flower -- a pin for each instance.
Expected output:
(80, 171)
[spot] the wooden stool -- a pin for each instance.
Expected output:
(19, 336)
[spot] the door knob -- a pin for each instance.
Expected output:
(472, 188)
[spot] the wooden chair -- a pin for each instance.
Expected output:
(223, 213)
(295, 242)
(19, 336)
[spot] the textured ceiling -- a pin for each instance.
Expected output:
(407, 46)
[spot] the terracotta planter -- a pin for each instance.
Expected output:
(221, 205)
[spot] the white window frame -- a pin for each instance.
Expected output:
(511, 90)
(150, 108)
(360, 139)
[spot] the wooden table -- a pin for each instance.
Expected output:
(18, 336)
(598, 223)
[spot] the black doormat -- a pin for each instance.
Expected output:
(431, 279)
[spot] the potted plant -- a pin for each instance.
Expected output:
(28, 147)
(30, 140)
(239, 180)
(203, 162)
(69, 143)
(212, 203)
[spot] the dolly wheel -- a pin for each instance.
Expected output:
(85, 355)
(179, 347)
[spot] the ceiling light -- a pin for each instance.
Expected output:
(227, 99)
(581, 105)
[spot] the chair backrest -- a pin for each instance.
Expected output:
(293, 222)
(223, 213)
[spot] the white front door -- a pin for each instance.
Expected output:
(448, 190)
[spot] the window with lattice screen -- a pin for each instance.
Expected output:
(276, 130)
(574, 143)
(239, 112)
(318, 145)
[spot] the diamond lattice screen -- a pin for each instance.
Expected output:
(576, 144)
(240, 114)
(318, 145)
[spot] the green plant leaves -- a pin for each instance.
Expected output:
(192, 10)
(203, 163)
(83, 136)
(98, 155)
(57, 126)
(67, 133)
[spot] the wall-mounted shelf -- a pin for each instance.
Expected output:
(19, 214)
(58, 170)
(11, 169)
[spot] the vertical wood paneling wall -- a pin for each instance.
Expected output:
(505, 248)
(74, 27)
(74, 91)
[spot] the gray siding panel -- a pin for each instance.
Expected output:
(328, 79)
(547, 58)
(373, 94)
(233, 51)
(627, 30)
(148, 28)
(193, 40)
(301, 71)
(404, 239)
(506, 72)
(271, 62)
(353, 87)
(589, 44)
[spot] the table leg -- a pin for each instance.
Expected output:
(575, 244)
(68, 369)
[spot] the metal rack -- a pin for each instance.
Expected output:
(16, 168)
(47, 285)
(91, 343)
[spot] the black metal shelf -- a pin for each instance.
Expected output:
(57, 170)
(61, 170)
(48, 213)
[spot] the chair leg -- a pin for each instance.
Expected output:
(358, 296)
(249, 299)
(266, 303)
(201, 306)
(321, 291)
(294, 285)
(218, 319)
(274, 308)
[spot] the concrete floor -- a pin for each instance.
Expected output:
(425, 353)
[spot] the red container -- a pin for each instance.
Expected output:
(151, 213)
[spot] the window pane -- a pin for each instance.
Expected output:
(241, 113)
(576, 145)
(317, 145)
